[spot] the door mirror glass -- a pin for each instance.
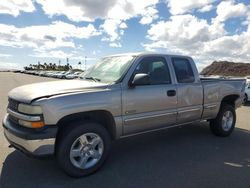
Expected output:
(140, 79)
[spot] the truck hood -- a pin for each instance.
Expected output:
(28, 93)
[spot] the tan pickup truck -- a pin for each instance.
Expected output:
(120, 96)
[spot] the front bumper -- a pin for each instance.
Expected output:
(31, 142)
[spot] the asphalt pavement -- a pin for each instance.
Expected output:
(187, 156)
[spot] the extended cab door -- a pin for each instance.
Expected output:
(151, 106)
(189, 90)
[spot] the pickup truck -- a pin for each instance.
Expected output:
(120, 96)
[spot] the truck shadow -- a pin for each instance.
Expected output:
(188, 156)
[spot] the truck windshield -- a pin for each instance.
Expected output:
(108, 69)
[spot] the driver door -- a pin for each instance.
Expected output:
(152, 106)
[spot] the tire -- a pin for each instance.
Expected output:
(218, 126)
(80, 138)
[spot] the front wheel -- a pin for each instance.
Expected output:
(83, 148)
(223, 125)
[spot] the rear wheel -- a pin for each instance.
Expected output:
(223, 125)
(83, 148)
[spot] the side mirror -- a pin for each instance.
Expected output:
(140, 79)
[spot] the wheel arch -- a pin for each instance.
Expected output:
(105, 118)
(230, 99)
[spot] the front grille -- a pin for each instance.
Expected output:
(13, 105)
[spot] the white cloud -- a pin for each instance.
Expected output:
(114, 26)
(228, 9)
(113, 12)
(51, 54)
(235, 47)
(124, 10)
(206, 8)
(77, 10)
(58, 34)
(205, 39)
(15, 7)
(114, 29)
(149, 14)
(186, 6)
(123, 25)
(9, 65)
(111, 27)
(82, 58)
(180, 31)
(187, 34)
(5, 55)
(116, 45)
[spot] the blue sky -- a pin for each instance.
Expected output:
(49, 31)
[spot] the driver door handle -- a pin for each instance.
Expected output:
(171, 93)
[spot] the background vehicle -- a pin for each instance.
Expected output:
(120, 96)
(247, 92)
(62, 74)
(56, 74)
(73, 75)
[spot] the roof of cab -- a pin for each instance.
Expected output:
(145, 53)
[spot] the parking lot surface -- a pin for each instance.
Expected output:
(188, 156)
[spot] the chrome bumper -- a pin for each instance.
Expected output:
(33, 147)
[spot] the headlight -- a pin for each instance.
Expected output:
(29, 109)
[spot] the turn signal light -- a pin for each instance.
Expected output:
(31, 124)
(37, 124)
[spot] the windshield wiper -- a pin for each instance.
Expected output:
(92, 78)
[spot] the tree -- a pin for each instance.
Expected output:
(79, 63)
(54, 66)
(49, 66)
(38, 65)
(45, 65)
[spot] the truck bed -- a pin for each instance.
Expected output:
(215, 89)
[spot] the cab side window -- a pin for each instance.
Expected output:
(183, 70)
(156, 68)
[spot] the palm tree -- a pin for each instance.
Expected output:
(38, 65)
(50, 65)
(79, 63)
(45, 65)
(54, 66)
(35, 66)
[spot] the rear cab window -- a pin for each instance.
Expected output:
(183, 70)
